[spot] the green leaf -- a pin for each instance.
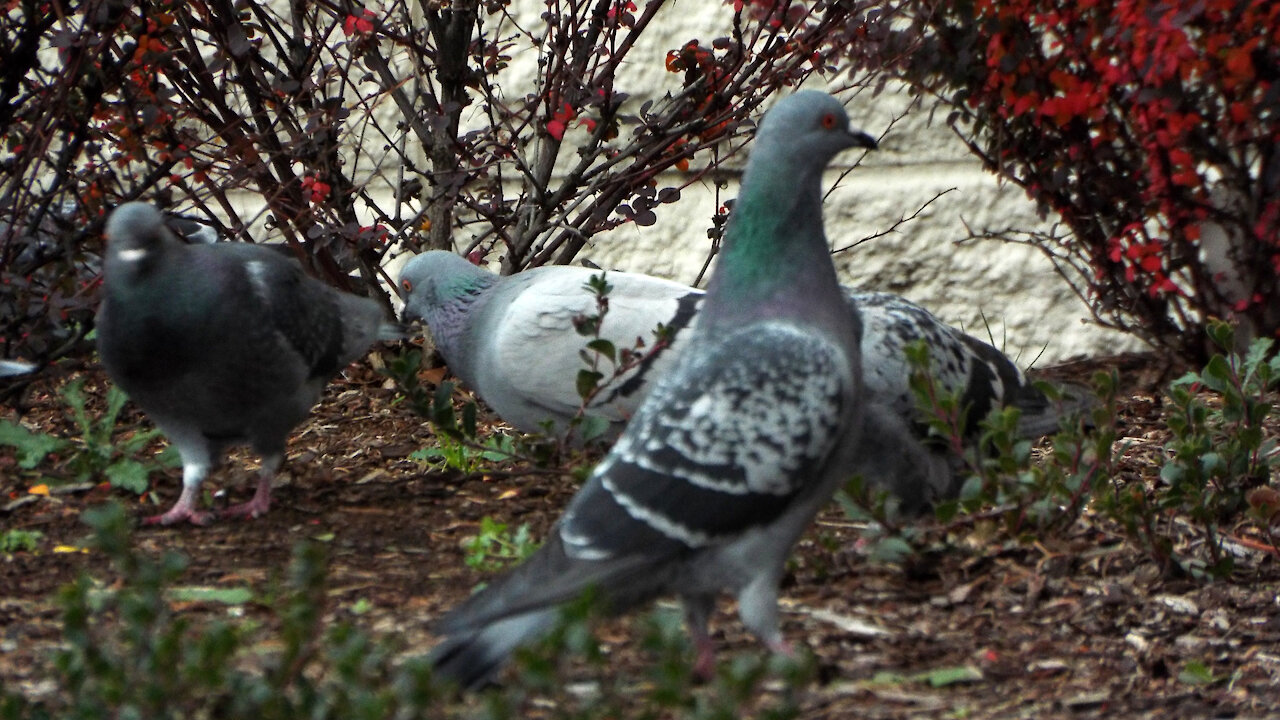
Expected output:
(198, 593)
(73, 395)
(115, 403)
(1211, 463)
(885, 677)
(1221, 333)
(892, 550)
(1195, 673)
(605, 348)
(943, 677)
(1255, 359)
(169, 458)
(592, 427)
(971, 490)
(1217, 374)
(598, 284)
(128, 475)
(469, 420)
(16, 540)
(32, 447)
(442, 406)
(1173, 473)
(588, 380)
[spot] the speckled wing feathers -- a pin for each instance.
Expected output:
(729, 439)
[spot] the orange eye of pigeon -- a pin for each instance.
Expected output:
(829, 121)
(406, 285)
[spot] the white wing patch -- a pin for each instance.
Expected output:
(258, 279)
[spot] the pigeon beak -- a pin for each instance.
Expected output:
(863, 140)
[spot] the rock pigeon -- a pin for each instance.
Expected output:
(221, 344)
(513, 340)
(737, 445)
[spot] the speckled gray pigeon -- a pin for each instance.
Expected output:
(734, 449)
(221, 344)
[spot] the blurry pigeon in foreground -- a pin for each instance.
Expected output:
(221, 344)
(734, 449)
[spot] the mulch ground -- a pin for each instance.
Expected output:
(1078, 625)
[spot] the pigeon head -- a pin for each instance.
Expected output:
(778, 213)
(438, 279)
(136, 234)
(806, 129)
(136, 228)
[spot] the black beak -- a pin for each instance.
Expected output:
(863, 140)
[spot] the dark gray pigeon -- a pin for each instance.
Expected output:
(737, 445)
(221, 344)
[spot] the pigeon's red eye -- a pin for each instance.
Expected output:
(829, 121)
(406, 285)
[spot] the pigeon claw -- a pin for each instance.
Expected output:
(255, 508)
(179, 514)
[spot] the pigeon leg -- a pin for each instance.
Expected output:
(261, 502)
(185, 509)
(697, 613)
(758, 608)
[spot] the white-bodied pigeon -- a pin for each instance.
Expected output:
(513, 340)
(221, 344)
(734, 449)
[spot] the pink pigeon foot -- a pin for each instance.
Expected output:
(258, 506)
(182, 511)
(704, 664)
(783, 648)
(697, 614)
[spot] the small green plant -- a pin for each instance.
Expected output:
(17, 540)
(459, 445)
(1217, 453)
(128, 653)
(497, 546)
(668, 689)
(453, 454)
(403, 368)
(996, 464)
(31, 447)
(888, 539)
(598, 351)
(93, 454)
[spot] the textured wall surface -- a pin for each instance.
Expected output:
(1007, 294)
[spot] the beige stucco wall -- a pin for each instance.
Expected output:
(1012, 290)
